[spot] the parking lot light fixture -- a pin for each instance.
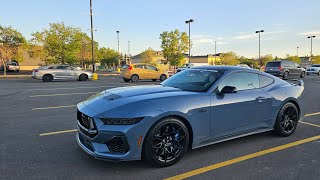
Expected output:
(311, 37)
(189, 22)
(259, 32)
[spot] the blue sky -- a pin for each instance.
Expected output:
(231, 23)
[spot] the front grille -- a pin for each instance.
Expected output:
(86, 124)
(118, 145)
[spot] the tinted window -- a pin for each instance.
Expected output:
(273, 64)
(241, 80)
(265, 81)
(289, 64)
(62, 67)
(193, 80)
(140, 66)
(151, 68)
(316, 65)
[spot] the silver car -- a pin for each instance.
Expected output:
(60, 72)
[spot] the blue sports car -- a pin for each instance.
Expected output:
(194, 108)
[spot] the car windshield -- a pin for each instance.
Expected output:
(316, 65)
(193, 80)
(273, 64)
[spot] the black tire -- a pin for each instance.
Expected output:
(285, 75)
(47, 78)
(17, 71)
(166, 142)
(163, 77)
(83, 77)
(319, 73)
(154, 80)
(287, 120)
(303, 74)
(134, 78)
(126, 80)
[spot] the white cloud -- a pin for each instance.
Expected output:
(309, 33)
(254, 35)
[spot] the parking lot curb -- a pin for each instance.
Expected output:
(15, 76)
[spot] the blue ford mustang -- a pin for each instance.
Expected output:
(194, 108)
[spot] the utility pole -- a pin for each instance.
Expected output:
(118, 49)
(92, 48)
(189, 22)
(259, 32)
(297, 51)
(129, 52)
(215, 52)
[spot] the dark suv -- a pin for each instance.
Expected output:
(285, 68)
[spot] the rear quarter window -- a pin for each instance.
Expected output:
(265, 81)
(273, 64)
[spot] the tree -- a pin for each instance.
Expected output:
(316, 59)
(109, 57)
(10, 41)
(174, 44)
(294, 58)
(61, 43)
(229, 58)
(148, 56)
(250, 62)
(265, 59)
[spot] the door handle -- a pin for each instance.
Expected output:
(261, 99)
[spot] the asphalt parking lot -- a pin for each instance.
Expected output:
(37, 128)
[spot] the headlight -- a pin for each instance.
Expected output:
(121, 121)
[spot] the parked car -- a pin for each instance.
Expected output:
(314, 69)
(194, 108)
(60, 72)
(243, 65)
(191, 65)
(11, 66)
(135, 72)
(285, 69)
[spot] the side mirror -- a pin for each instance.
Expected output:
(157, 69)
(228, 90)
(298, 66)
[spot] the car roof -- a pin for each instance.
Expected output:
(222, 68)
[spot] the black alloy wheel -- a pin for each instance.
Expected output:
(134, 78)
(83, 77)
(166, 143)
(285, 75)
(303, 74)
(47, 78)
(163, 77)
(287, 120)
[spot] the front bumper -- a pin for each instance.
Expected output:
(312, 72)
(103, 144)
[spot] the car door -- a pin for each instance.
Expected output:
(59, 72)
(139, 69)
(239, 112)
(152, 72)
(71, 72)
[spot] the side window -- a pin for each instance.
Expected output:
(284, 63)
(265, 81)
(296, 65)
(151, 68)
(291, 64)
(139, 66)
(241, 80)
(59, 67)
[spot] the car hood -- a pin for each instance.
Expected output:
(117, 97)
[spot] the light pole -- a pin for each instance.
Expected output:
(259, 32)
(92, 48)
(189, 22)
(297, 51)
(311, 37)
(118, 32)
(215, 52)
(129, 52)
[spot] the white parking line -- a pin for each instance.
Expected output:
(65, 88)
(70, 94)
(53, 107)
(58, 132)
